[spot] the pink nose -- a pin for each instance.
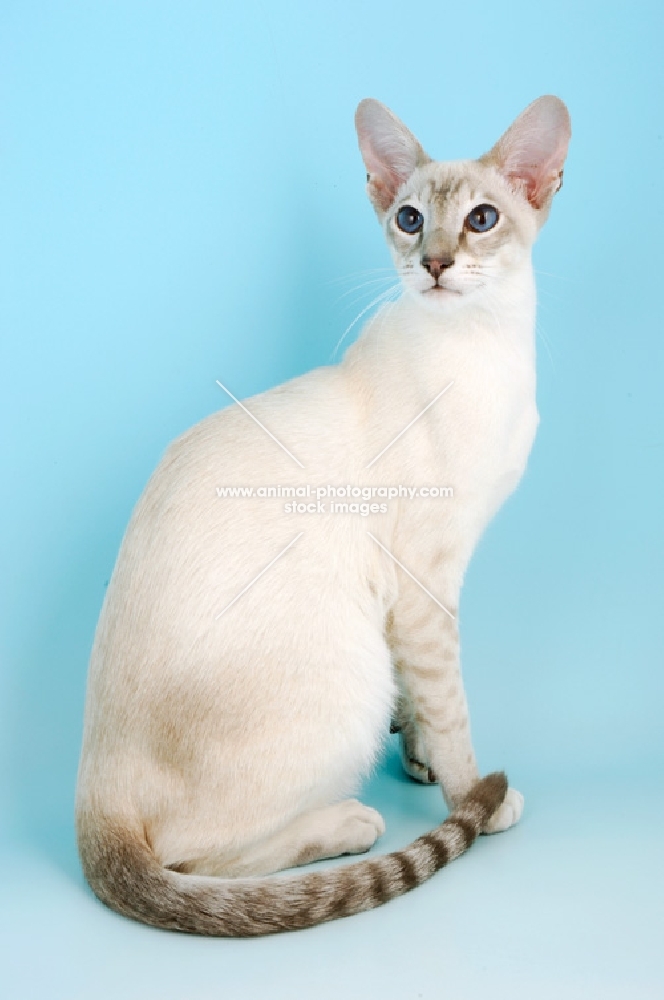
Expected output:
(436, 265)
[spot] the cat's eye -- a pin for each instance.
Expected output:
(482, 218)
(409, 219)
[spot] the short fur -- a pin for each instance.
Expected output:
(223, 735)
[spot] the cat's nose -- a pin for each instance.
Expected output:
(436, 265)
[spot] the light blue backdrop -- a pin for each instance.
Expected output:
(181, 200)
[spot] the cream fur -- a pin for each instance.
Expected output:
(227, 742)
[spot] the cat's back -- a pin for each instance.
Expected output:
(287, 427)
(215, 513)
(191, 606)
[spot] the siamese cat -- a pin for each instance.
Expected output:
(249, 659)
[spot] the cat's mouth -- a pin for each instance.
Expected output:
(440, 290)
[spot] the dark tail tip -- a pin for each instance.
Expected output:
(489, 792)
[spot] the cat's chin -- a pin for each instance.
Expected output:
(439, 300)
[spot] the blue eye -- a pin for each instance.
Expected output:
(409, 220)
(482, 218)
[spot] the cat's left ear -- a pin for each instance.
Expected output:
(531, 154)
(390, 152)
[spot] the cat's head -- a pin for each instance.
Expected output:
(455, 229)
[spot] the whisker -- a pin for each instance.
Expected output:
(549, 274)
(374, 302)
(545, 340)
(495, 318)
(367, 272)
(365, 284)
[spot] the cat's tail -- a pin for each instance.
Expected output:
(125, 874)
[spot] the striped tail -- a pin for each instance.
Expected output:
(125, 874)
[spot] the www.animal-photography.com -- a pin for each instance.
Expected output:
(334, 446)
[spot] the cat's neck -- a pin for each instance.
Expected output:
(497, 321)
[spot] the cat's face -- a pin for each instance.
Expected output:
(456, 230)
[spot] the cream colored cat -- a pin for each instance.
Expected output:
(248, 659)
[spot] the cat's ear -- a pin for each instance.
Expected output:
(390, 152)
(531, 154)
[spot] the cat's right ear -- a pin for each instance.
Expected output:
(390, 152)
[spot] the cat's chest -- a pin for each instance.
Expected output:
(484, 434)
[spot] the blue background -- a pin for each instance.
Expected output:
(181, 200)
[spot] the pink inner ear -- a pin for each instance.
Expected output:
(384, 181)
(531, 154)
(390, 152)
(537, 184)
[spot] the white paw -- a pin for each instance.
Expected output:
(359, 827)
(507, 814)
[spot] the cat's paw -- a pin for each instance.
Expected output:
(416, 769)
(413, 757)
(507, 814)
(358, 827)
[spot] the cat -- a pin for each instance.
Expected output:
(248, 659)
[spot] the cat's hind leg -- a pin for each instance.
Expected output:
(348, 827)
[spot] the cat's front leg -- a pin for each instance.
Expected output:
(433, 711)
(414, 754)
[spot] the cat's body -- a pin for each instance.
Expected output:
(223, 733)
